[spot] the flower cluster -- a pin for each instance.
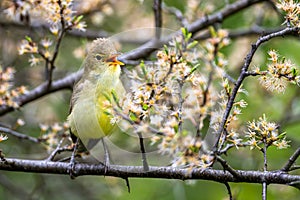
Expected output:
(52, 134)
(58, 13)
(262, 132)
(292, 10)
(27, 46)
(218, 40)
(280, 72)
(170, 100)
(8, 94)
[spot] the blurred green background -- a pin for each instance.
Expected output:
(116, 17)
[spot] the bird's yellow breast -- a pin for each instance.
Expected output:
(90, 116)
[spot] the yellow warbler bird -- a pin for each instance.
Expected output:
(90, 104)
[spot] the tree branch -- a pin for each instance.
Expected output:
(42, 90)
(291, 160)
(19, 135)
(81, 169)
(243, 75)
(194, 27)
(157, 17)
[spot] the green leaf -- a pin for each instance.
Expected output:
(133, 116)
(184, 31)
(189, 36)
(28, 38)
(107, 112)
(107, 96)
(294, 72)
(144, 70)
(115, 96)
(282, 135)
(145, 106)
(166, 50)
(212, 31)
(176, 128)
(195, 67)
(192, 45)
(79, 18)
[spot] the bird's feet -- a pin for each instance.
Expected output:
(106, 158)
(72, 169)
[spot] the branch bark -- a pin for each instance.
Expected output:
(81, 169)
(43, 89)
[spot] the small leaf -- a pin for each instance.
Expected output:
(189, 36)
(145, 106)
(166, 50)
(184, 31)
(195, 67)
(107, 112)
(115, 96)
(78, 19)
(213, 31)
(28, 38)
(176, 128)
(282, 135)
(133, 116)
(107, 96)
(294, 72)
(192, 45)
(144, 70)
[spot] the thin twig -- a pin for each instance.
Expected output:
(143, 151)
(194, 27)
(291, 161)
(228, 190)
(229, 146)
(264, 184)
(227, 167)
(51, 68)
(19, 135)
(264, 191)
(59, 149)
(296, 167)
(177, 13)
(157, 17)
(127, 184)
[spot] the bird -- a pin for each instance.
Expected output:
(90, 118)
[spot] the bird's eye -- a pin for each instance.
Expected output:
(98, 57)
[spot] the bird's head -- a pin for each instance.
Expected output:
(102, 54)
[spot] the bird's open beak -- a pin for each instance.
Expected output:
(114, 61)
